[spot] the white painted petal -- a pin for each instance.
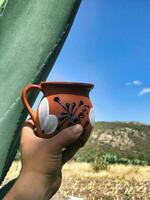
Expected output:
(50, 124)
(43, 111)
(92, 117)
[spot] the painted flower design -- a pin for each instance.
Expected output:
(73, 113)
(48, 122)
(68, 117)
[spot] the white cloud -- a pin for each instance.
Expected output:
(144, 91)
(135, 82)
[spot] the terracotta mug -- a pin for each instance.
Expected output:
(63, 104)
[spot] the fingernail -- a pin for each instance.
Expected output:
(77, 129)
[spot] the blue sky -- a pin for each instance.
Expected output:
(109, 45)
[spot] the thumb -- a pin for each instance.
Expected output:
(68, 136)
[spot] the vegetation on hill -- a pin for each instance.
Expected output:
(118, 142)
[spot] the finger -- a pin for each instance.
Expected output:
(74, 148)
(29, 127)
(29, 123)
(67, 136)
(29, 131)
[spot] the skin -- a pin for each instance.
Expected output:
(42, 162)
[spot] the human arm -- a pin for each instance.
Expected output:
(42, 162)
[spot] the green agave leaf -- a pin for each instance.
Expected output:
(31, 36)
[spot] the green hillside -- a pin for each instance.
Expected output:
(121, 140)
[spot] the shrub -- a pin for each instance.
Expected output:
(97, 158)
(109, 158)
(99, 165)
(86, 155)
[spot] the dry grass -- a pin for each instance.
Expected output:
(114, 171)
(119, 182)
(13, 171)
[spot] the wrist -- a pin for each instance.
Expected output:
(30, 185)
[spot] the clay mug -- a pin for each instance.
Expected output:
(63, 104)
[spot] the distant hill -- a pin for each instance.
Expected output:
(125, 139)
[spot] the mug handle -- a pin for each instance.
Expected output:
(26, 103)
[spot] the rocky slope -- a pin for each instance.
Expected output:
(127, 139)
